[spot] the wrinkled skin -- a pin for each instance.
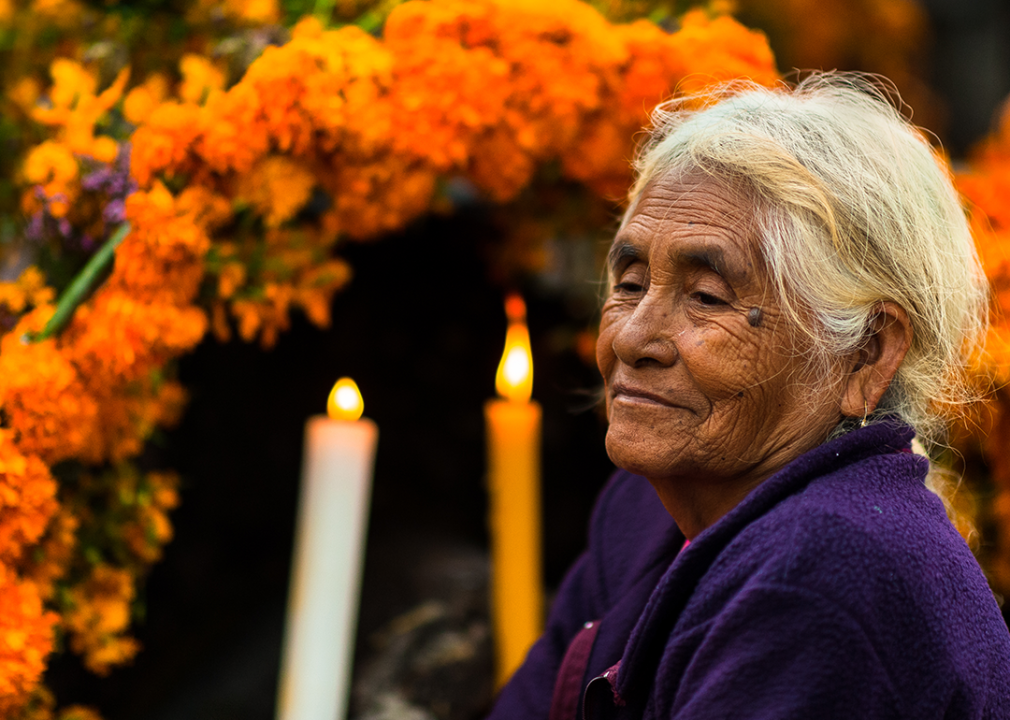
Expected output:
(706, 397)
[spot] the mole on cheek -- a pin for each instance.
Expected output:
(754, 317)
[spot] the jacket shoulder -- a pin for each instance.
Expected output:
(630, 533)
(876, 544)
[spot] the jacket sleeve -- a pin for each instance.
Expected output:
(776, 653)
(581, 597)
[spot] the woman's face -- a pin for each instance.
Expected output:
(703, 378)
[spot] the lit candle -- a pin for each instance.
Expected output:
(513, 440)
(329, 549)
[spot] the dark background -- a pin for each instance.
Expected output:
(421, 330)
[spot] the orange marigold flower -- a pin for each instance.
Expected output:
(164, 142)
(278, 77)
(146, 535)
(71, 81)
(62, 13)
(126, 417)
(79, 712)
(714, 50)
(51, 557)
(653, 72)
(246, 12)
(25, 92)
(27, 499)
(231, 277)
(119, 338)
(162, 257)
(204, 207)
(501, 168)
(26, 639)
(277, 187)
(445, 95)
(169, 400)
(29, 290)
(316, 287)
(601, 158)
(235, 133)
(164, 489)
(379, 196)
(986, 188)
(98, 618)
(201, 78)
(52, 165)
(40, 705)
(567, 39)
(249, 318)
(219, 322)
(76, 108)
(142, 100)
(43, 398)
(254, 12)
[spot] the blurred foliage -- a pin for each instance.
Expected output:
(884, 36)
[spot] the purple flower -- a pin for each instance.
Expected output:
(98, 180)
(114, 211)
(110, 183)
(36, 229)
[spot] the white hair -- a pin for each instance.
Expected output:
(853, 208)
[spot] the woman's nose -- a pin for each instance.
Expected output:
(647, 335)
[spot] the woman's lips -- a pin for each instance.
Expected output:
(633, 394)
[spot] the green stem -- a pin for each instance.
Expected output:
(323, 10)
(79, 290)
(371, 21)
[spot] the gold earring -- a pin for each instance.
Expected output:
(862, 423)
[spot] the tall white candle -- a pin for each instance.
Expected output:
(328, 558)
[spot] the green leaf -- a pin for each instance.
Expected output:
(82, 285)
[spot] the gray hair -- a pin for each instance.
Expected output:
(853, 208)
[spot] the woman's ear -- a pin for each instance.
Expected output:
(872, 367)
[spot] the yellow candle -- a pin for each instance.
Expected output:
(513, 439)
(329, 549)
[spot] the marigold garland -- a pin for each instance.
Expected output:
(238, 199)
(27, 504)
(986, 187)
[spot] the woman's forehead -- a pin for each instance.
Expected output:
(692, 216)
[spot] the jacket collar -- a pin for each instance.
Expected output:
(647, 642)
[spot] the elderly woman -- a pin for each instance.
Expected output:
(793, 292)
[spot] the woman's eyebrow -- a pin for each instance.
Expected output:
(712, 258)
(621, 251)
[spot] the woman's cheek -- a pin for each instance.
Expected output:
(721, 365)
(605, 355)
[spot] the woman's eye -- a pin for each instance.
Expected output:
(627, 287)
(706, 299)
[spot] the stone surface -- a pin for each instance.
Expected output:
(432, 662)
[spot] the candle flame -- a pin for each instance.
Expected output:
(345, 401)
(514, 379)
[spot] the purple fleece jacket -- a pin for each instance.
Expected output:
(836, 589)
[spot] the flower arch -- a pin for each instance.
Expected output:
(225, 209)
(236, 200)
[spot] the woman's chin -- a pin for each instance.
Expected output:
(639, 451)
